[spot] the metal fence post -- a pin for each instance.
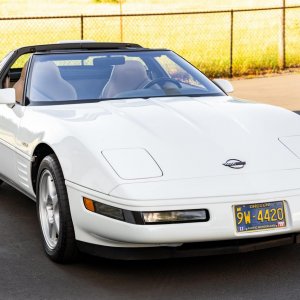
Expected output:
(281, 40)
(231, 44)
(121, 20)
(81, 27)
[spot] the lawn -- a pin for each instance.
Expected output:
(204, 39)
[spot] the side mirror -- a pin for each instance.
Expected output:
(8, 96)
(225, 85)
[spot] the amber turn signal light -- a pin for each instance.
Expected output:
(89, 204)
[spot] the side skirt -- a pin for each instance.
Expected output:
(17, 187)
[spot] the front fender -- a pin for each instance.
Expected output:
(81, 164)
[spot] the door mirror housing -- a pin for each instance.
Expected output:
(8, 96)
(225, 85)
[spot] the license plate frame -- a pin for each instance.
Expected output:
(272, 216)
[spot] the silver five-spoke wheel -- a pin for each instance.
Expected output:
(54, 212)
(49, 209)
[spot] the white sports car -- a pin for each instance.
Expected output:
(133, 153)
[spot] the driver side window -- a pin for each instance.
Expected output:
(16, 69)
(16, 76)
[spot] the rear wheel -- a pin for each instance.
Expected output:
(54, 212)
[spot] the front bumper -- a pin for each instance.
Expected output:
(190, 250)
(96, 229)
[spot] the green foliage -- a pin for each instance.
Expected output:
(203, 39)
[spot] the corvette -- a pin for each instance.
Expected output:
(132, 153)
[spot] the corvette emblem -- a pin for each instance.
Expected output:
(234, 164)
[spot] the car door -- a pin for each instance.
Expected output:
(9, 124)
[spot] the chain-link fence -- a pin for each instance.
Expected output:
(220, 43)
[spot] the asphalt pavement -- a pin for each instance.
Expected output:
(26, 273)
(280, 90)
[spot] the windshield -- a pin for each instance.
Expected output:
(87, 76)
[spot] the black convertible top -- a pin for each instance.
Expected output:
(77, 46)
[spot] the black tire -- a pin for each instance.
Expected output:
(1, 181)
(65, 250)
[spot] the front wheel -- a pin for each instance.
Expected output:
(54, 212)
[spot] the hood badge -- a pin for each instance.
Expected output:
(234, 164)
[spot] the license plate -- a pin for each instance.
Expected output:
(260, 216)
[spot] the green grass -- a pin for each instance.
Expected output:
(203, 39)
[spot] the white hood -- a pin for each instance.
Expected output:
(188, 137)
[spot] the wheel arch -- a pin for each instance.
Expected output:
(40, 152)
